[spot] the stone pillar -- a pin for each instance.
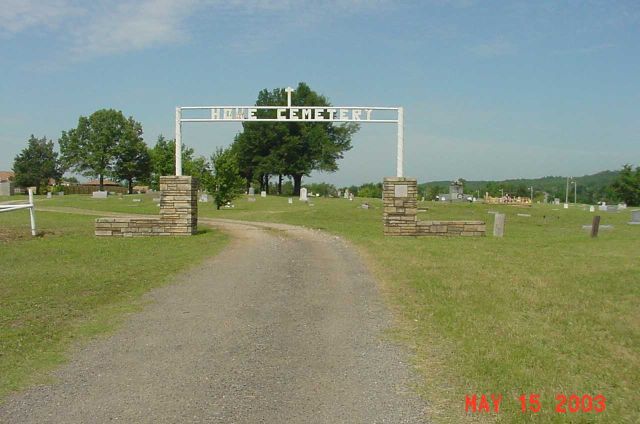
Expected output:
(400, 200)
(179, 204)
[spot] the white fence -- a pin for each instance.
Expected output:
(30, 206)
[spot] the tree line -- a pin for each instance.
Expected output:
(107, 144)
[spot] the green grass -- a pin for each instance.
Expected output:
(68, 285)
(546, 309)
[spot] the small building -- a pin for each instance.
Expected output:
(7, 176)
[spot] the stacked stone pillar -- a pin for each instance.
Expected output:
(179, 204)
(400, 201)
(178, 213)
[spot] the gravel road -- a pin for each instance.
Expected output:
(285, 325)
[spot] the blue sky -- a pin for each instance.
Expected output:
(491, 89)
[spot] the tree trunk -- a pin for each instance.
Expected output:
(280, 184)
(297, 184)
(266, 183)
(101, 182)
(130, 187)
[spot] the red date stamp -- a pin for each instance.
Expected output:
(531, 403)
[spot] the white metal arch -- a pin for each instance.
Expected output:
(289, 113)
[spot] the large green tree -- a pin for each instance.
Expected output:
(227, 183)
(133, 162)
(291, 148)
(163, 162)
(36, 164)
(627, 185)
(93, 146)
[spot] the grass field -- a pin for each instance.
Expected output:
(546, 310)
(69, 285)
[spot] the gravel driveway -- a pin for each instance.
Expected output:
(285, 325)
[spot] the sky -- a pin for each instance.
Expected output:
(490, 89)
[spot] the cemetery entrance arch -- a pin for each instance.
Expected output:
(290, 113)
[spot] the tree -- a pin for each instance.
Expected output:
(226, 183)
(627, 186)
(434, 191)
(373, 190)
(163, 160)
(133, 162)
(93, 146)
(290, 148)
(36, 164)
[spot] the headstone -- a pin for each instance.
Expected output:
(566, 206)
(61, 193)
(592, 208)
(524, 214)
(137, 200)
(303, 195)
(492, 212)
(602, 208)
(339, 193)
(263, 193)
(595, 226)
(601, 227)
(49, 196)
(290, 200)
(252, 191)
(613, 208)
(99, 194)
(622, 206)
(365, 206)
(204, 197)
(635, 217)
(498, 225)
(351, 197)
(346, 194)
(556, 201)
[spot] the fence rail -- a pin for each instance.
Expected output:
(18, 206)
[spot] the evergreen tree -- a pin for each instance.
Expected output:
(36, 164)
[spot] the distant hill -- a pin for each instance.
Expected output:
(590, 188)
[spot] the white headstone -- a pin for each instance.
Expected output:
(290, 200)
(137, 200)
(303, 194)
(592, 208)
(204, 197)
(100, 194)
(49, 195)
(635, 217)
(252, 191)
(263, 193)
(350, 196)
(498, 225)
(61, 193)
(566, 206)
(346, 194)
